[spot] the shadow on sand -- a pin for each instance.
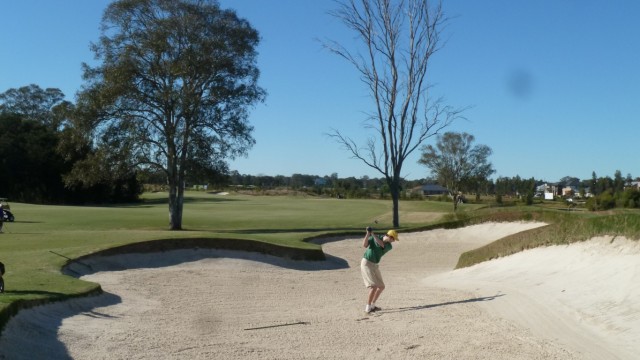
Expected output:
(429, 306)
(36, 335)
(93, 264)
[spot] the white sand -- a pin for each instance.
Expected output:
(590, 290)
(570, 302)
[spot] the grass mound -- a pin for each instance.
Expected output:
(563, 229)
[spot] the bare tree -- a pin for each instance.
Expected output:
(399, 37)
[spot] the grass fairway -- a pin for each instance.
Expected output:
(43, 238)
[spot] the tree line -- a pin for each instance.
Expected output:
(43, 161)
(608, 193)
(526, 189)
(167, 103)
(368, 187)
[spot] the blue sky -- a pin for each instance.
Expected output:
(551, 86)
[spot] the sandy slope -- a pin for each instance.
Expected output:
(589, 290)
(197, 304)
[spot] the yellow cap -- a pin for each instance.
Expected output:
(393, 234)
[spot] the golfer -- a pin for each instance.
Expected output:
(377, 246)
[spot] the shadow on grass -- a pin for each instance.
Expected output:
(293, 230)
(18, 340)
(429, 306)
(35, 292)
(147, 203)
(11, 232)
(22, 222)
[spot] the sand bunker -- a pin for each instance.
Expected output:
(572, 302)
(589, 290)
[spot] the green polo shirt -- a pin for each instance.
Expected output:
(374, 251)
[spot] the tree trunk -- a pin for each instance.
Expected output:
(396, 215)
(176, 197)
(394, 188)
(175, 210)
(176, 202)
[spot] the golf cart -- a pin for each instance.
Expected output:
(7, 215)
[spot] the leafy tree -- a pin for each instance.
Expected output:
(630, 198)
(529, 198)
(604, 184)
(34, 103)
(503, 185)
(399, 39)
(29, 165)
(302, 180)
(604, 201)
(39, 144)
(173, 88)
(570, 181)
(455, 160)
(618, 182)
(628, 180)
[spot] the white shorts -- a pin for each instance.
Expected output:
(371, 274)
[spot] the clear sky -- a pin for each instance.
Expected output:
(552, 86)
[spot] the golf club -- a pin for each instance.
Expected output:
(370, 228)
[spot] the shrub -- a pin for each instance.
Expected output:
(604, 201)
(529, 198)
(630, 198)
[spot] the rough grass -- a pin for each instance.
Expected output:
(564, 228)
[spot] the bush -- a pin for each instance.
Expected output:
(604, 201)
(630, 198)
(529, 198)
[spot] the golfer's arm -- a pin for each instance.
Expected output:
(379, 241)
(365, 241)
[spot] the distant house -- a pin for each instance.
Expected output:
(550, 190)
(634, 185)
(434, 189)
(569, 190)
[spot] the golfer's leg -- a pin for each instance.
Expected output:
(377, 293)
(372, 295)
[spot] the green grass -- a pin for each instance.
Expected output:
(44, 238)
